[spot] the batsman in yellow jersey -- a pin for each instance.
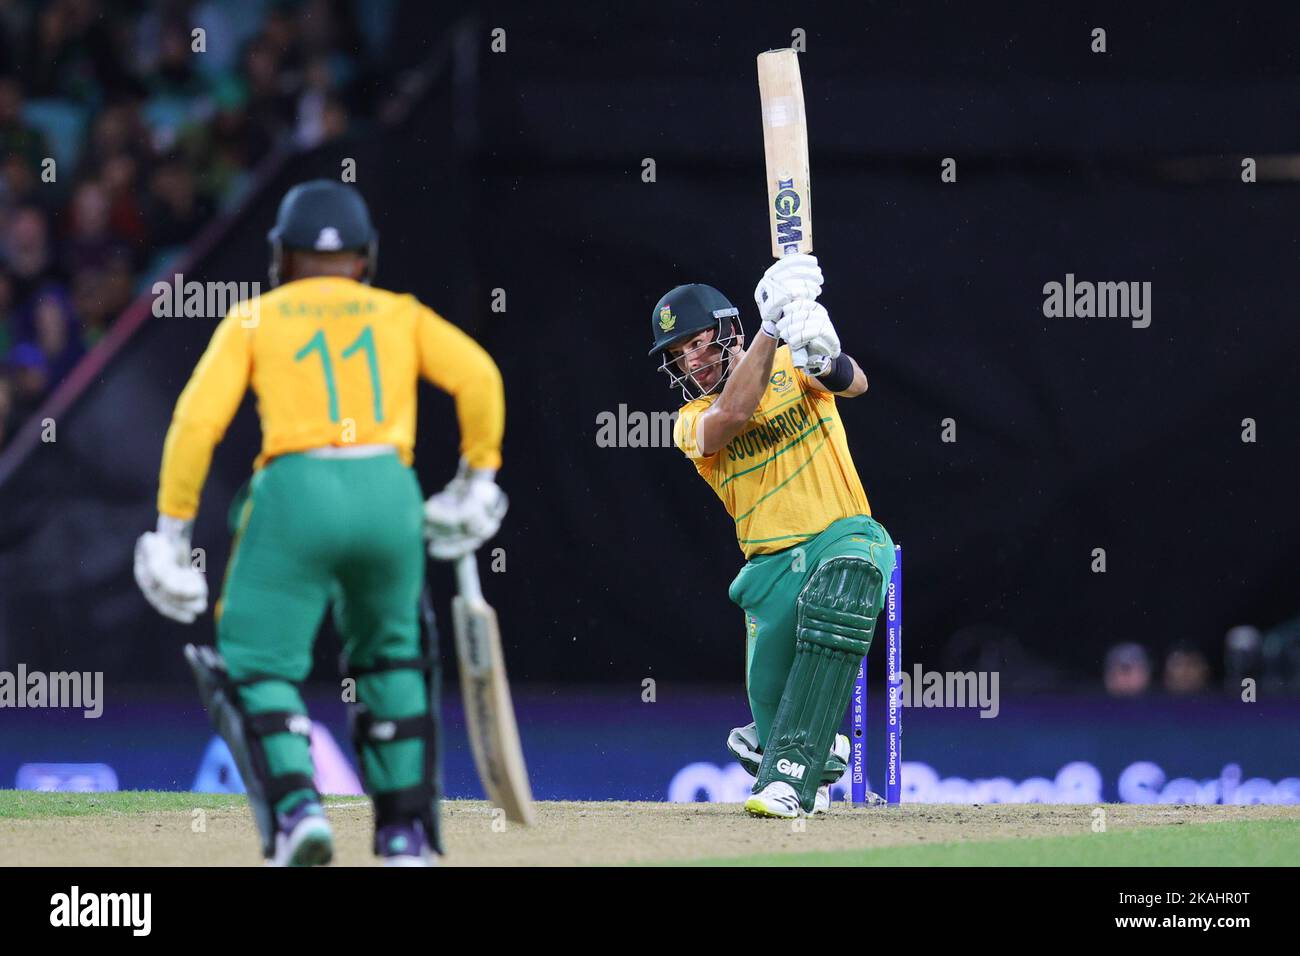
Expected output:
(766, 435)
(333, 516)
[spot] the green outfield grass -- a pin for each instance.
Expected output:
(1237, 843)
(30, 804)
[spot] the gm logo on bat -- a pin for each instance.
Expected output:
(789, 227)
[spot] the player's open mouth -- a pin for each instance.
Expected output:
(706, 377)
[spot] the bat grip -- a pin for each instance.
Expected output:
(467, 583)
(800, 358)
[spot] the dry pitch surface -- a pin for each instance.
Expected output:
(197, 829)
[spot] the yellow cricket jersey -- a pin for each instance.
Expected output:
(332, 362)
(788, 474)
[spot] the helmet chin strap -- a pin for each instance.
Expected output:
(277, 256)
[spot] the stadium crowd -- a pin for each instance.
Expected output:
(125, 127)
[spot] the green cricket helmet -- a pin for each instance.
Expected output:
(681, 315)
(323, 215)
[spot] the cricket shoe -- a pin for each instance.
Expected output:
(303, 837)
(777, 799)
(403, 844)
(743, 744)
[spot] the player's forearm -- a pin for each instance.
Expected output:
(452, 361)
(204, 411)
(187, 456)
(740, 396)
(859, 383)
(481, 412)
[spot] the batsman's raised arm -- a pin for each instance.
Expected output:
(844, 369)
(726, 417)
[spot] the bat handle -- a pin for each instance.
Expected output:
(467, 583)
(800, 358)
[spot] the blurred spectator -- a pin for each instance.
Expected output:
(6, 316)
(312, 103)
(90, 241)
(118, 129)
(268, 104)
(70, 52)
(1242, 647)
(157, 138)
(27, 252)
(1270, 659)
(20, 182)
(174, 74)
(1186, 671)
(7, 419)
(121, 177)
(336, 119)
(1128, 671)
(15, 24)
(176, 210)
(55, 332)
(17, 138)
(1281, 657)
(30, 376)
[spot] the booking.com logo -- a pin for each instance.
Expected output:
(1077, 782)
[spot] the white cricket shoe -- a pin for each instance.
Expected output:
(777, 799)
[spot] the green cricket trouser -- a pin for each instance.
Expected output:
(314, 531)
(766, 589)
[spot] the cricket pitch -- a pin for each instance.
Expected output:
(190, 829)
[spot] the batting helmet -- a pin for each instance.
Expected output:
(682, 314)
(323, 216)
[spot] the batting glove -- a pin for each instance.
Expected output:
(465, 514)
(793, 277)
(168, 580)
(807, 325)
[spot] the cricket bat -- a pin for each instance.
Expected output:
(785, 151)
(485, 690)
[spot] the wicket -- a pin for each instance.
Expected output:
(894, 701)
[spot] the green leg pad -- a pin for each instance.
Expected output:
(273, 778)
(743, 745)
(836, 613)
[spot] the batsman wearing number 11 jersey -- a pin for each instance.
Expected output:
(332, 516)
(767, 437)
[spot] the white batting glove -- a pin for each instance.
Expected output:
(807, 325)
(168, 580)
(795, 276)
(465, 514)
